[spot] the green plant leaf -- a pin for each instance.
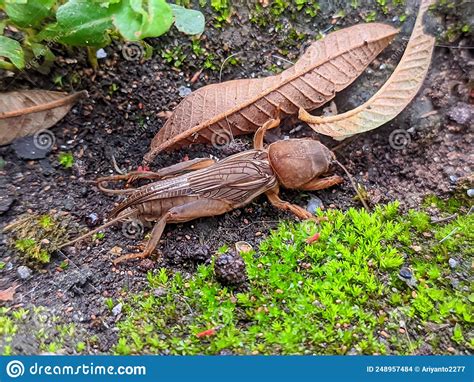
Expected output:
(12, 50)
(188, 21)
(30, 13)
(136, 22)
(80, 24)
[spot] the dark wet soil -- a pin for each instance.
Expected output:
(122, 114)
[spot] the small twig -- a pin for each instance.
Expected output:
(435, 221)
(45, 106)
(283, 59)
(449, 235)
(116, 167)
(356, 189)
(224, 62)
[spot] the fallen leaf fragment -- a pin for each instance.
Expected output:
(207, 333)
(26, 112)
(241, 106)
(392, 98)
(7, 294)
(313, 238)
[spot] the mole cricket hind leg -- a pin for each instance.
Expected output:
(321, 183)
(260, 133)
(179, 214)
(156, 233)
(275, 200)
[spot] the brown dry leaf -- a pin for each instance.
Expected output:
(222, 111)
(7, 294)
(26, 112)
(392, 98)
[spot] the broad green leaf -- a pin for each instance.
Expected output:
(128, 21)
(42, 60)
(12, 50)
(138, 19)
(188, 21)
(80, 23)
(30, 13)
(3, 23)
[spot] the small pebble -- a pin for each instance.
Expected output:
(406, 273)
(452, 263)
(313, 204)
(470, 192)
(23, 272)
(453, 179)
(92, 219)
(243, 246)
(117, 309)
(160, 292)
(184, 91)
(101, 53)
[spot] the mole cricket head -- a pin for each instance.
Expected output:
(298, 161)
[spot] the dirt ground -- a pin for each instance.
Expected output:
(122, 114)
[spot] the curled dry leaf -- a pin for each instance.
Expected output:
(392, 98)
(224, 110)
(26, 112)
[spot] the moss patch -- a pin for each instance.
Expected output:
(339, 295)
(41, 330)
(36, 237)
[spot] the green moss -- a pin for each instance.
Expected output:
(277, 9)
(66, 159)
(451, 205)
(330, 297)
(47, 334)
(36, 237)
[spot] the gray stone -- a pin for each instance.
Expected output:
(68, 204)
(453, 263)
(7, 196)
(184, 91)
(160, 292)
(461, 113)
(117, 309)
(101, 53)
(46, 167)
(470, 192)
(25, 148)
(23, 272)
(406, 273)
(453, 179)
(313, 204)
